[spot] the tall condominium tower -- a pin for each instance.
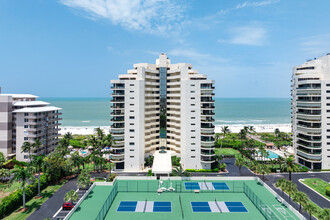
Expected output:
(24, 119)
(311, 113)
(162, 106)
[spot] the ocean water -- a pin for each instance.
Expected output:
(96, 111)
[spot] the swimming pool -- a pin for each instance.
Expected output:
(272, 155)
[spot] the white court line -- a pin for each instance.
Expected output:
(282, 210)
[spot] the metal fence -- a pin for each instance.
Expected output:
(179, 187)
(261, 206)
(106, 206)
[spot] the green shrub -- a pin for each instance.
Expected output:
(327, 190)
(149, 173)
(14, 200)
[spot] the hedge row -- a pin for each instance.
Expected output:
(202, 170)
(14, 200)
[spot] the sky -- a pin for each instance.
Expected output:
(73, 48)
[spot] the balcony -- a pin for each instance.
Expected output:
(308, 157)
(207, 112)
(206, 159)
(118, 126)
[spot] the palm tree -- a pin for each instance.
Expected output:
(239, 162)
(280, 160)
(310, 208)
(217, 136)
(37, 145)
(291, 189)
(178, 171)
(242, 136)
(27, 147)
(71, 196)
(262, 169)
(4, 174)
(325, 214)
(252, 129)
(225, 130)
(277, 132)
(38, 162)
(67, 137)
(281, 184)
(21, 174)
(290, 166)
(84, 179)
(301, 198)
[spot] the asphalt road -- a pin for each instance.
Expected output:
(51, 206)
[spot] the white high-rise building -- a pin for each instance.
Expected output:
(162, 106)
(24, 119)
(311, 113)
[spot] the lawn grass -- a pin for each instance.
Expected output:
(226, 151)
(317, 184)
(33, 204)
(5, 190)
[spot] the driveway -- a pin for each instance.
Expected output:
(51, 206)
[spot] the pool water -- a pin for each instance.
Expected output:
(272, 155)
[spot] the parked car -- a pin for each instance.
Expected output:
(68, 206)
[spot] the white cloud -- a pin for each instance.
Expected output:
(248, 35)
(316, 45)
(155, 16)
(197, 57)
(256, 4)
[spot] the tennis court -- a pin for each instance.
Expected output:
(139, 200)
(206, 186)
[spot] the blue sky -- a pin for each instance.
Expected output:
(73, 48)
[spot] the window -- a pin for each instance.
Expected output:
(26, 120)
(131, 136)
(192, 124)
(26, 156)
(192, 91)
(131, 104)
(192, 98)
(131, 130)
(192, 110)
(131, 123)
(193, 143)
(131, 91)
(26, 126)
(131, 84)
(193, 137)
(192, 117)
(26, 138)
(131, 110)
(131, 117)
(192, 130)
(131, 97)
(131, 149)
(26, 114)
(192, 84)
(193, 150)
(192, 156)
(131, 156)
(131, 143)
(192, 104)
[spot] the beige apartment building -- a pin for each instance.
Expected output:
(162, 107)
(24, 119)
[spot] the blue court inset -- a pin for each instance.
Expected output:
(206, 186)
(144, 206)
(218, 206)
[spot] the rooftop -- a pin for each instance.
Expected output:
(20, 95)
(30, 103)
(38, 109)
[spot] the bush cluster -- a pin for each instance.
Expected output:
(14, 200)
(327, 190)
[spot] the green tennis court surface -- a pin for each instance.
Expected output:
(139, 200)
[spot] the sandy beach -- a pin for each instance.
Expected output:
(233, 128)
